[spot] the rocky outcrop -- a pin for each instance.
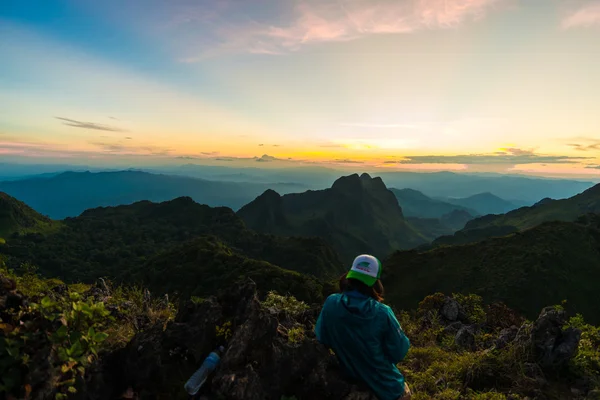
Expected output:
(262, 361)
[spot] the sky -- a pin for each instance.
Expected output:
(506, 86)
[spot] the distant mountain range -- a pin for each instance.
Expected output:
(546, 210)
(70, 193)
(485, 203)
(358, 214)
(301, 242)
(416, 204)
(522, 189)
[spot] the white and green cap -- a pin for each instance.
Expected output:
(366, 269)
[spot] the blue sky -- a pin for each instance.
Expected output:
(486, 85)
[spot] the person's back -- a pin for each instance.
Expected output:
(364, 333)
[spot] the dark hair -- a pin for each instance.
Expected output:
(376, 291)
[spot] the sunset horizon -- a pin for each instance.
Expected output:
(499, 86)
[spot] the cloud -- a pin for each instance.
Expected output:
(593, 166)
(267, 158)
(210, 153)
(320, 21)
(123, 149)
(589, 145)
(586, 16)
(88, 125)
(128, 138)
(510, 156)
(347, 161)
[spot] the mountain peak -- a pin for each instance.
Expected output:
(357, 215)
(350, 182)
(355, 182)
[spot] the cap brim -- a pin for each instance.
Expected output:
(366, 279)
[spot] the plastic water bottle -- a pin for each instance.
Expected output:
(194, 384)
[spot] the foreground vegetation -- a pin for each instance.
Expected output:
(51, 333)
(57, 332)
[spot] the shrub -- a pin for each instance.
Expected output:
(587, 360)
(473, 306)
(296, 335)
(287, 304)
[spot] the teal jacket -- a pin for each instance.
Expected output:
(367, 339)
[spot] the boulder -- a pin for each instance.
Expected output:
(465, 338)
(554, 346)
(450, 309)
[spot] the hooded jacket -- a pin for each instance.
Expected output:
(367, 340)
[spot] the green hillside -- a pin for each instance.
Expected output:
(111, 241)
(199, 267)
(544, 211)
(16, 216)
(358, 214)
(543, 265)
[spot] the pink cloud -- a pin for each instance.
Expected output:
(351, 19)
(318, 21)
(586, 16)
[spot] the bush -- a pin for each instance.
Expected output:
(287, 304)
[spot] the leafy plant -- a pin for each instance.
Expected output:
(287, 304)
(223, 332)
(296, 335)
(473, 306)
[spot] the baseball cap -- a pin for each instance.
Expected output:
(366, 269)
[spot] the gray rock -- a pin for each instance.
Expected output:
(465, 338)
(505, 337)
(552, 345)
(453, 328)
(450, 309)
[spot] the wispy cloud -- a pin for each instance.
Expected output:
(319, 21)
(506, 157)
(88, 125)
(585, 16)
(593, 166)
(586, 144)
(125, 149)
